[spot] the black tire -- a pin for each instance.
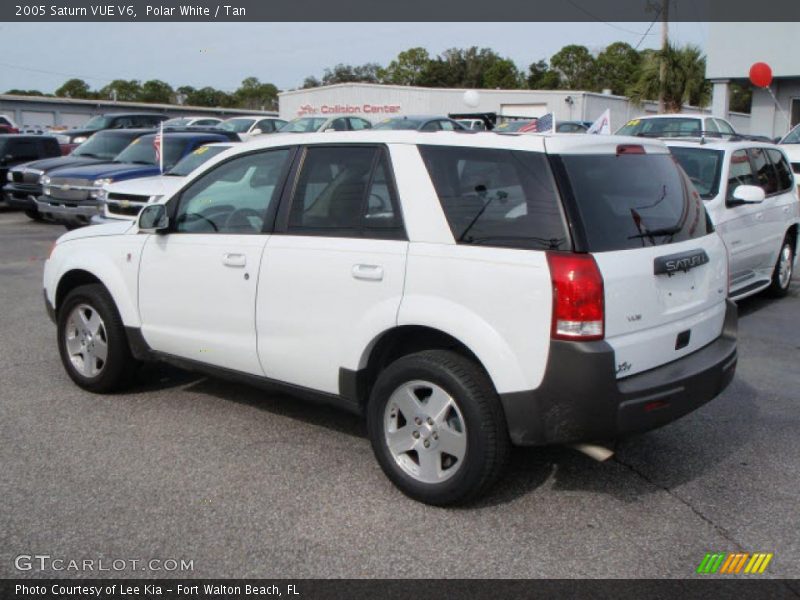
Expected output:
(118, 368)
(487, 443)
(34, 215)
(778, 288)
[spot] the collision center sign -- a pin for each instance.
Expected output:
(347, 109)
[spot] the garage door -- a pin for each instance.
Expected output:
(523, 110)
(72, 120)
(35, 118)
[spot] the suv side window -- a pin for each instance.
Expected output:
(145, 121)
(357, 124)
(265, 126)
(711, 126)
(345, 192)
(446, 125)
(431, 126)
(724, 127)
(740, 172)
(234, 197)
(497, 197)
(782, 169)
(765, 173)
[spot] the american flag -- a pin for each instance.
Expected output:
(157, 143)
(543, 124)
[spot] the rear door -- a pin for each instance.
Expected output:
(663, 268)
(332, 275)
(767, 228)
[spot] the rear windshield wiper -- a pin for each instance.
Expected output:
(650, 233)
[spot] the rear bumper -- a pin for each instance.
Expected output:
(580, 399)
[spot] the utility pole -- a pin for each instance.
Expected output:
(662, 73)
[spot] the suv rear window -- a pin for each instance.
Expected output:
(635, 200)
(497, 197)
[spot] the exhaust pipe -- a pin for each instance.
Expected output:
(598, 453)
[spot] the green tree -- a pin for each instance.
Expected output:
(685, 80)
(209, 96)
(17, 92)
(617, 67)
(311, 82)
(122, 90)
(575, 66)
(341, 73)
(253, 94)
(156, 91)
(502, 74)
(74, 88)
(542, 77)
(407, 68)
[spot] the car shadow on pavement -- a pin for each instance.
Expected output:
(652, 462)
(642, 465)
(758, 302)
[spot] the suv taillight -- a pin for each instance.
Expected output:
(578, 304)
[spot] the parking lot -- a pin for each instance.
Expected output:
(246, 484)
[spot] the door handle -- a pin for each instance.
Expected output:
(368, 272)
(231, 259)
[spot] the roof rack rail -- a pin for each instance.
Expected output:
(705, 136)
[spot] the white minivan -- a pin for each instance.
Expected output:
(462, 292)
(749, 191)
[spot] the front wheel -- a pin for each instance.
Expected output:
(92, 342)
(782, 274)
(437, 427)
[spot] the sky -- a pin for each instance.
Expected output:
(44, 55)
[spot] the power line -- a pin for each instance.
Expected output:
(599, 20)
(33, 70)
(646, 33)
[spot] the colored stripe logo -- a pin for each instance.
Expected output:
(729, 563)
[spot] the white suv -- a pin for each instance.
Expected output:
(464, 292)
(749, 191)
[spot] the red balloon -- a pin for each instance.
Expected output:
(761, 74)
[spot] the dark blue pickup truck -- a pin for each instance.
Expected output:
(70, 194)
(24, 186)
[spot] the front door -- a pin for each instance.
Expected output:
(197, 283)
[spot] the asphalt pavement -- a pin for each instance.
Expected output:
(247, 484)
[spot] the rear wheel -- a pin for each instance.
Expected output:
(92, 342)
(437, 427)
(782, 275)
(34, 215)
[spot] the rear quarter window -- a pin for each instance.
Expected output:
(632, 201)
(497, 197)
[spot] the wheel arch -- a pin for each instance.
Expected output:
(392, 344)
(77, 276)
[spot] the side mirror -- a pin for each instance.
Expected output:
(776, 140)
(153, 218)
(748, 194)
(328, 130)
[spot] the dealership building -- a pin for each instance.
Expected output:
(377, 102)
(733, 48)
